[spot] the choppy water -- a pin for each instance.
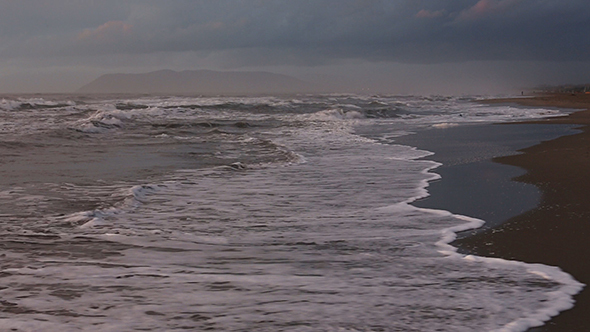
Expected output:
(244, 214)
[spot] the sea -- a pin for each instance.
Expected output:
(259, 213)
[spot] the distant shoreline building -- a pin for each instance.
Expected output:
(566, 88)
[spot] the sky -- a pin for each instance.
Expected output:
(376, 46)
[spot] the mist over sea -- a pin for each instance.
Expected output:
(277, 213)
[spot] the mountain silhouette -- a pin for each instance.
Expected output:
(196, 82)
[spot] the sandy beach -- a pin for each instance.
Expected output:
(556, 231)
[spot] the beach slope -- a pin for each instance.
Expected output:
(557, 231)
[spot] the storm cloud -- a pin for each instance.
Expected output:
(74, 36)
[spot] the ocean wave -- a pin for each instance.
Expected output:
(267, 214)
(124, 201)
(336, 114)
(32, 104)
(102, 121)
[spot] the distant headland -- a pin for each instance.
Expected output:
(197, 82)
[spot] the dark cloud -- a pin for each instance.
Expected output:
(250, 33)
(406, 31)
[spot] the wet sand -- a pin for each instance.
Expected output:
(471, 183)
(557, 231)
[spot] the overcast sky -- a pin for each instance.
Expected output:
(399, 46)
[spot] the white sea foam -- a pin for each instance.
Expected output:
(9, 105)
(445, 125)
(336, 114)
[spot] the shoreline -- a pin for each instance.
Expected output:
(471, 183)
(556, 231)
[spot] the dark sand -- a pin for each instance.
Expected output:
(557, 231)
